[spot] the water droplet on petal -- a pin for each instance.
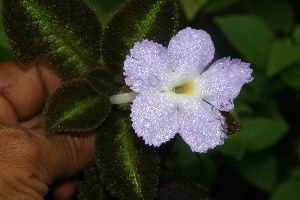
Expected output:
(200, 139)
(153, 80)
(205, 52)
(166, 137)
(137, 82)
(231, 75)
(147, 124)
(155, 142)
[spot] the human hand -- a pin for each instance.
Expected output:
(30, 161)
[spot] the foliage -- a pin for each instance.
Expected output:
(262, 160)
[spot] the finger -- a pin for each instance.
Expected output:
(49, 76)
(66, 155)
(65, 190)
(22, 88)
(7, 112)
(43, 159)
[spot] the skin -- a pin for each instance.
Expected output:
(29, 161)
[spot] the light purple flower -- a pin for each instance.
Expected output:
(179, 94)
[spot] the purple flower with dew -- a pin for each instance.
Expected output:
(179, 93)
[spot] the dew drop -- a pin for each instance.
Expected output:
(155, 141)
(199, 140)
(137, 82)
(205, 52)
(147, 124)
(231, 75)
(153, 80)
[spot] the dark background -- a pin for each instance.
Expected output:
(262, 160)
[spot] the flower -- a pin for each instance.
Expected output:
(179, 94)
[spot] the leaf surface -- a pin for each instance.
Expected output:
(249, 35)
(260, 170)
(67, 32)
(137, 20)
(256, 135)
(128, 168)
(75, 106)
(288, 189)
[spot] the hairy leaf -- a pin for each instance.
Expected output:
(103, 82)
(128, 168)
(75, 106)
(91, 188)
(67, 32)
(134, 21)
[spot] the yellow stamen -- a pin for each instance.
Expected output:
(187, 88)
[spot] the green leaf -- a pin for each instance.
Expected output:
(262, 133)
(191, 7)
(134, 21)
(6, 53)
(249, 35)
(192, 165)
(103, 82)
(128, 168)
(3, 39)
(289, 189)
(67, 32)
(91, 188)
(298, 152)
(284, 18)
(105, 8)
(260, 170)
(256, 135)
(283, 53)
(296, 34)
(187, 190)
(217, 5)
(235, 146)
(75, 106)
(185, 159)
(291, 76)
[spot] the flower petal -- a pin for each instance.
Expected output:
(202, 126)
(154, 117)
(222, 82)
(191, 50)
(146, 66)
